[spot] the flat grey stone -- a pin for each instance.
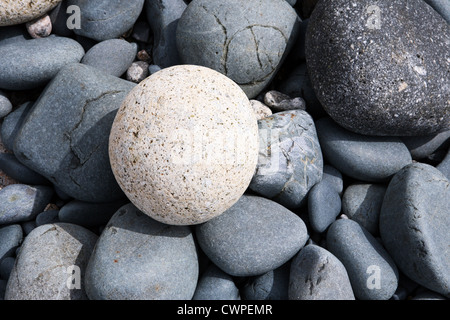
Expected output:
(77, 160)
(48, 257)
(414, 222)
(254, 236)
(378, 69)
(290, 159)
(138, 258)
(214, 284)
(366, 158)
(316, 274)
(372, 272)
(272, 285)
(33, 63)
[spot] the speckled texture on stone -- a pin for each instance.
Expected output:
(381, 67)
(43, 265)
(290, 159)
(139, 258)
(245, 40)
(372, 272)
(254, 236)
(414, 222)
(316, 274)
(184, 144)
(14, 12)
(367, 158)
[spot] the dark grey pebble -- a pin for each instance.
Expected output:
(19, 172)
(272, 285)
(11, 237)
(423, 146)
(6, 266)
(324, 205)
(47, 217)
(12, 123)
(215, 284)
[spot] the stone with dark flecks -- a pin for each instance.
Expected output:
(40, 27)
(290, 159)
(214, 284)
(272, 285)
(414, 222)
(245, 40)
(12, 123)
(21, 11)
(138, 71)
(77, 160)
(324, 205)
(316, 274)
(378, 69)
(11, 237)
(366, 158)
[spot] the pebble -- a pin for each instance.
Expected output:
(112, 56)
(32, 63)
(21, 11)
(316, 274)
(272, 285)
(139, 258)
(372, 272)
(187, 139)
(20, 202)
(378, 70)
(423, 146)
(138, 71)
(47, 217)
(11, 237)
(6, 266)
(106, 19)
(442, 7)
(261, 110)
(5, 105)
(13, 34)
(280, 102)
(46, 261)
(214, 284)
(153, 68)
(246, 41)
(333, 177)
(362, 202)
(366, 158)
(77, 159)
(254, 236)
(163, 16)
(40, 27)
(290, 159)
(19, 172)
(12, 123)
(444, 165)
(414, 224)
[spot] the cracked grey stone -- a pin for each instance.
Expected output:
(414, 222)
(163, 16)
(290, 159)
(316, 274)
(378, 69)
(48, 257)
(33, 63)
(68, 143)
(106, 19)
(245, 40)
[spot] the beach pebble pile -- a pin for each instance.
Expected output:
(224, 150)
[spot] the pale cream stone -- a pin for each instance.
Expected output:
(14, 12)
(184, 144)
(261, 110)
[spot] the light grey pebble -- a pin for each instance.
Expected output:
(138, 71)
(153, 68)
(215, 284)
(334, 177)
(5, 105)
(13, 34)
(324, 205)
(442, 7)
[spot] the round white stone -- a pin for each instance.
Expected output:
(14, 12)
(184, 144)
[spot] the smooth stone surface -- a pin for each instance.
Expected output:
(442, 7)
(372, 272)
(6, 266)
(324, 205)
(184, 144)
(77, 159)
(20, 202)
(163, 16)
(444, 165)
(112, 56)
(138, 258)
(30, 64)
(19, 172)
(290, 159)
(414, 222)
(245, 40)
(254, 236)
(106, 19)
(333, 177)
(46, 260)
(11, 237)
(47, 217)
(13, 34)
(272, 285)
(362, 202)
(378, 68)
(422, 147)
(20, 11)
(316, 274)
(5, 105)
(366, 158)
(12, 123)
(214, 284)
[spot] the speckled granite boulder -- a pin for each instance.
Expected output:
(290, 159)
(245, 40)
(414, 222)
(139, 258)
(14, 12)
(184, 144)
(378, 68)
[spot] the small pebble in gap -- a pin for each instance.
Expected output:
(153, 68)
(279, 102)
(5, 105)
(261, 110)
(40, 28)
(144, 55)
(138, 71)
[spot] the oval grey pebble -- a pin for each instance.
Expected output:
(214, 284)
(47, 217)
(334, 177)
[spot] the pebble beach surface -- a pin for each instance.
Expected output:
(224, 150)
